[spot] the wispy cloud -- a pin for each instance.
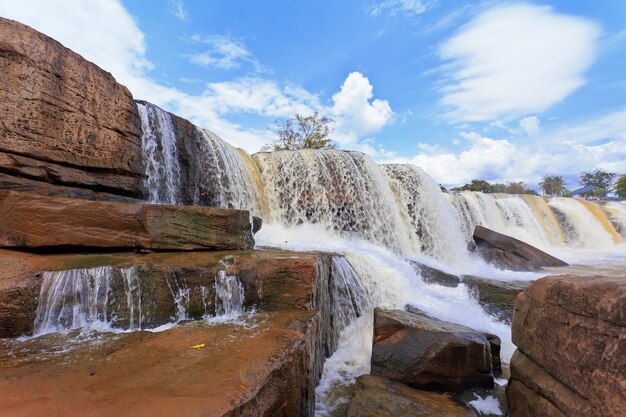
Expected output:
(514, 60)
(224, 52)
(393, 7)
(177, 8)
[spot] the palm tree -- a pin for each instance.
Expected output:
(553, 185)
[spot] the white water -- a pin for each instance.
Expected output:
(229, 296)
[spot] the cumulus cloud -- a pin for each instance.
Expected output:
(596, 143)
(408, 7)
(514, 60)
(105, 33)
(530, 125)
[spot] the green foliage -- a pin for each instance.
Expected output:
(620, 186)
(514, 187)
(553, 185)
(300, 132)
(598, 178)
(599, 192)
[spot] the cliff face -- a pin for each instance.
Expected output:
(571, 358)
(64, 121)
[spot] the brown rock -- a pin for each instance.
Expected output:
(427, 353)
(267, 369)
(64, 120)
(435, 276)
(33, 221)
(511, 253)
(375, 396)
(570, 333)
(272, 280)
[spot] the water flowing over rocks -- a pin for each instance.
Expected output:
(375, 396)
(496, 297)
(65, 121)
(510, 253)
(33, 221)
(571, 358)
(427, 353)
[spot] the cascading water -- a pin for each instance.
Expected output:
(229, 295)
(162, 176)
(616, 213)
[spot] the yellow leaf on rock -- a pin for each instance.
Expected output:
(200, 346)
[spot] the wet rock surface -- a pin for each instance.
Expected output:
(375, 396)
(571, 358)
(35, 221)
(433, 275)
(427, 353)
(497, 297)
(509, 253)
(65, 121)
(267, 366)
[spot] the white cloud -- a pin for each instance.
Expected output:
(531, 125)
(409, 7)
(514, 60)
(353, 111)
(177, 8)
(223, 52)
(599, 143)
(105, 33)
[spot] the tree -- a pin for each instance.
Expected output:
(620, 186)
(516, 187)
(300, 132)
(599, 192)
(598, 178)
(553, 185)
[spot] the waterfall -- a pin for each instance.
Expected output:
(349, 297)
(616, 213)
(229, 295)
(343, 191)
(160, 155)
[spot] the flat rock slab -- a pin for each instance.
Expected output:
(427, 353)
(510, 253)
(34, 221)
(375, 396)
(264, 368)
(571, 337)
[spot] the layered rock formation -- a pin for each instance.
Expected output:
(427, 353)
(571, 358)
(65, 121)
(510, 253)
(33, 221)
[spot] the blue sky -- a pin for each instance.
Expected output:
(495, 90)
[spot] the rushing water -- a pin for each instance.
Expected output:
(379, 217)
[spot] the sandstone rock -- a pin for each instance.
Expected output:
(510, 253)
(571, 359)
(427, 353)
(64, 120)
(272, 280)
(375, 396)
(497, 297)
(268, 369)
(435, 276)
(33, 221)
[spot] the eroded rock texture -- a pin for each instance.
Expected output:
(571, 358)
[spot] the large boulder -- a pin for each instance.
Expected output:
(497, 297)
(571, 338)
(34, 221)
(375, 396)
(65, 121)
(427, 353)
(510, 253)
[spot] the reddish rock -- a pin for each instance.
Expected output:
(375, 396)
(571, 338)
(34, 221)
(64, 120)
(265, 369)
(510, 253)
(427, 353)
